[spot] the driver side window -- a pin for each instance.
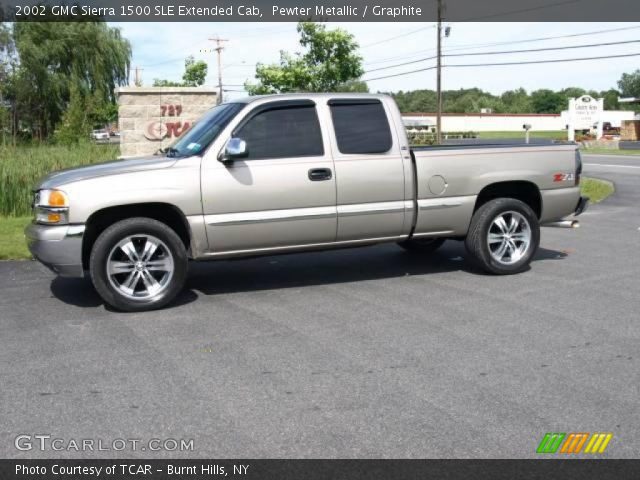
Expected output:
(283, 132)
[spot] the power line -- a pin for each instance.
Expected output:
(503, 52)
(547, 49)
(454, 48)
(531, 62)
(397, 36)
(625, 55)
(400, 74)
(402, 64)
(470, 46)
(263, 31)
(398, 57)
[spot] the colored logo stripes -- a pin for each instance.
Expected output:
(550, 442)
(598, 443)
(574, 442)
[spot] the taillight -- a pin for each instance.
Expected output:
(578, 166)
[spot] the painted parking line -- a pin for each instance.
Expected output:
(610, 165)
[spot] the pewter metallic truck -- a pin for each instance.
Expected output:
(289, 173)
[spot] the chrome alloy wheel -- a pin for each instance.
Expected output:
(509, 237)
(140, 267)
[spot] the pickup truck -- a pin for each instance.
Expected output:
(288, 173)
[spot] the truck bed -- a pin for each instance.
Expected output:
(451, 177)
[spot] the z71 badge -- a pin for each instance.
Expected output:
(563, 177)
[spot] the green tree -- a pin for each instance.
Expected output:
(547, 101)
(74, 125)
(353, 86)
(160, 82)
(7, 67)
(194, 75)
(573, 92)
(90, 58)
(611, 99)
(472, 101)
(629, 84)
(329, 62)
(416, 101)
(516, 101)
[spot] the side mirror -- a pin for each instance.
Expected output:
(235, 148)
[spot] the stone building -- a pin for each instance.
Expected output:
(151, 118)
(630, 130)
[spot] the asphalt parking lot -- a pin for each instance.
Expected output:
(369, 352)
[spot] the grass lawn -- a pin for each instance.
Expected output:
(12, 244)
(610, 151)
(22, 166)
(556, 135)
(596, 189)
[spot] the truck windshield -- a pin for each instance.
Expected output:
(203, 131)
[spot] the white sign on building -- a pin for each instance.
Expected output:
(585, 113)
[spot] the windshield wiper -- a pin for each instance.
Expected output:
(171, 152)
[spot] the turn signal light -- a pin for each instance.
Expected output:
(57, 199)
(54, 217)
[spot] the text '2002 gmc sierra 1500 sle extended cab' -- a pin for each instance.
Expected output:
(288, 173)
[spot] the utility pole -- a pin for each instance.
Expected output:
(137, 77)
(439, 76)
(218, 50)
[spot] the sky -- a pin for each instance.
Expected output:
(159, 49)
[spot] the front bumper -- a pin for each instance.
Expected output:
(57, 247)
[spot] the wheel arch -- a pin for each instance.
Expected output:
(101, 219)
(525, 191)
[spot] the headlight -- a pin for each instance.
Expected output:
(51, 207)
(52, 198)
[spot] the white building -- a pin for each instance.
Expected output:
(503, 122)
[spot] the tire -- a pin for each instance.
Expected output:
(422, 245)
(138, 264)
(494, 245)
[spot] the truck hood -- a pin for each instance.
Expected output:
(113, 167)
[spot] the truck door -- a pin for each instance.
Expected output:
(369, 171)
(283, 193)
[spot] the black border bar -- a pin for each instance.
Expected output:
(321, 10)
(134, 469)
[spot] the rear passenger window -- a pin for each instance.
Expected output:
(282, 132)
(361, 126)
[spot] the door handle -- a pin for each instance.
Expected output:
(319, 174)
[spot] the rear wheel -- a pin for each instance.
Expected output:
(503, 236)
(138, 264)
(422, 245)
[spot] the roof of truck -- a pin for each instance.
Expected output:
(311, 96)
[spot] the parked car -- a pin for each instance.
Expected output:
(290, 173)
(100, 134)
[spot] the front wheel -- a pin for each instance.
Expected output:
(138, 264)
(503, 236)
